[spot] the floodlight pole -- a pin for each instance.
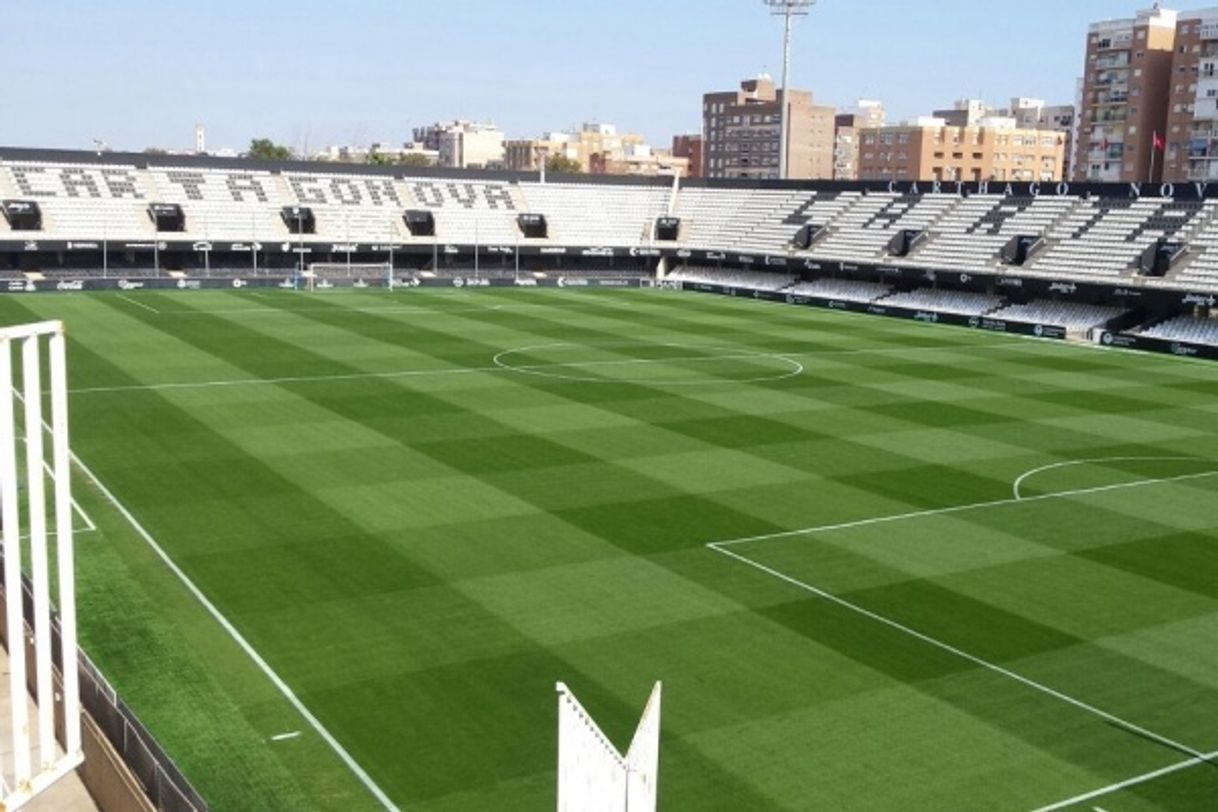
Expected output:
(788, 10)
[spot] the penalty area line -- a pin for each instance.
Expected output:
(918, 514)
(964, 655)
(1130, 782)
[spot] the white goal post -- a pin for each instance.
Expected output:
(36, 761)
(592, 775)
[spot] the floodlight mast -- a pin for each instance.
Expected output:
(788, 10)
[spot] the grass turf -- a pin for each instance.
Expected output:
(424, 508)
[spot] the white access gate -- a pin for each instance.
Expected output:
(28, 526)
(592, 775)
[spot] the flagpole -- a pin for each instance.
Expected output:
(1154, 148)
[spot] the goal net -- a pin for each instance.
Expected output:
(336, 271)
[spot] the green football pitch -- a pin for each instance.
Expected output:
(337, 549)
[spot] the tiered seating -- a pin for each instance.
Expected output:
(587, 214)
(349, 210)
(846, 290)
(1105, 237)
(753, 280)
(970, 236)
(473, 219)
(214, 211)
(90, 211)
(738, 219)
(1071, 315)
(863, 231)
(1186, 328)
(821, 208)
(945, 301)
(1201, 268)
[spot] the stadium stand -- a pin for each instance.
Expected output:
(1105, 237)
(972, 234)
(945, 301)
(1185, 328)
(588, 214)
(1071, 315)
(739, 219)
(863, 231)
(751, 280)
(846, 290)
(1080, 256)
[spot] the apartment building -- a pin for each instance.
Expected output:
(1192, 115)
(743, 128)
(930, 149)
(1123, 105)
(690, 147)
(463, 144)
(848, 133)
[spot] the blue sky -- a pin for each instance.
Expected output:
(140, 73)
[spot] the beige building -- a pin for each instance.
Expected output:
(929, 149)
(847, 136)
(642, 160)
(1034, 114)
(1192, 116)
(1124, 98)
(527, 154)
(742, 129)
(965, 113)
(593, 145)
(463, 144)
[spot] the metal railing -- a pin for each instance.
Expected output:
(166, 788)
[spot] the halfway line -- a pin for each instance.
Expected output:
(409, 373)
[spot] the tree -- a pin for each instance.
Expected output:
(415, 159)
(379, 159)
(267, 150)
(562, 165)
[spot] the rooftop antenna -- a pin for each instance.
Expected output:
(788, 10)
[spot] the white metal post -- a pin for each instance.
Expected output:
(14, 610)
(61, 464)
(35, 491)
(27, 780)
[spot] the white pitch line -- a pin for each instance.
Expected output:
(149, 308)
(410, 373)
(1097, 461)
(240, 640)
(78, 531)
(1131, 782)
(354, 376)
(964, 655)
(808, 531)
(282, 737)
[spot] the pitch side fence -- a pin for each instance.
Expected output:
(162, 782)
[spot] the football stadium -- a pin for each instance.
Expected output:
(436, 489)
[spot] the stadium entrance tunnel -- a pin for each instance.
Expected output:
(648, 364)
